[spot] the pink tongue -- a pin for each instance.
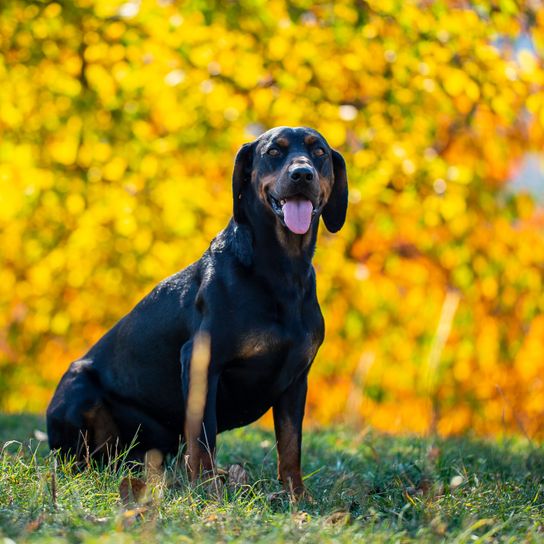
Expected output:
(297, 215)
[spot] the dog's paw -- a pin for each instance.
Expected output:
(302, 495)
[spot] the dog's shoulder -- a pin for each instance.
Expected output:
(234, 241)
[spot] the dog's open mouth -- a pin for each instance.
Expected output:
(295, 212)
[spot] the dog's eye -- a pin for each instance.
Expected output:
(273, 152)
(319, 151)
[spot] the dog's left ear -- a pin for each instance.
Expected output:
(240, 176)
(334, 212)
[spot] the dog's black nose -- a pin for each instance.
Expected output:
(301, 173)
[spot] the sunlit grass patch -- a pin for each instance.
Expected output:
(364, 487)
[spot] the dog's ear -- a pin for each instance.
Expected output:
(334, 212)
(240, 177)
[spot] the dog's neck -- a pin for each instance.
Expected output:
(275, 252)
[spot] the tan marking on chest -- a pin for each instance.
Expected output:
(255, 343)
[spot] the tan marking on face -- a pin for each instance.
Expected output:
(325, 188)
(282, 142)
(264, 185)
(310, 139)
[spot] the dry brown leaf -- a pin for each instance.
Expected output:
(300, 518)
(134, 512)
(35, 524)
(132, 490)
(338, 518)
(131, 516)
(277, 496)
(237, 476)
(214, 487)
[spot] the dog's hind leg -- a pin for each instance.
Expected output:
(102, 431)
(78, 423)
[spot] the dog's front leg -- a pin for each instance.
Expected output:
(288, 415)
(200, 390)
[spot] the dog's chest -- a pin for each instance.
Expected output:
(276, 331)
(275, 341)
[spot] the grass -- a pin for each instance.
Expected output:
(366, 488)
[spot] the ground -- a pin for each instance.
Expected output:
(365, 487)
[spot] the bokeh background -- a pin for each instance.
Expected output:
(119, 122)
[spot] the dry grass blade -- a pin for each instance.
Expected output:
(54, 482)
(196, 402)
(198, 388)
(153, 464)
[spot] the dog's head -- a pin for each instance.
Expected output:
(292, 175)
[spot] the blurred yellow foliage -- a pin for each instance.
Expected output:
(119, 122)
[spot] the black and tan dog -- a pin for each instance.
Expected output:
(252, 293)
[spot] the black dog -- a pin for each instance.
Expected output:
(252, 293)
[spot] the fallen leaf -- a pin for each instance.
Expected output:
(300, 518)
(277, 497)
(132, 490)
(338, 518)
(134, 512)
(438, 526)
(35, 524)
(211, 518)
(131, 516)
(237, 476)
(455, 482)
(214, 486)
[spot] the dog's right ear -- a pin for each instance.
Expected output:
(240, 177)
